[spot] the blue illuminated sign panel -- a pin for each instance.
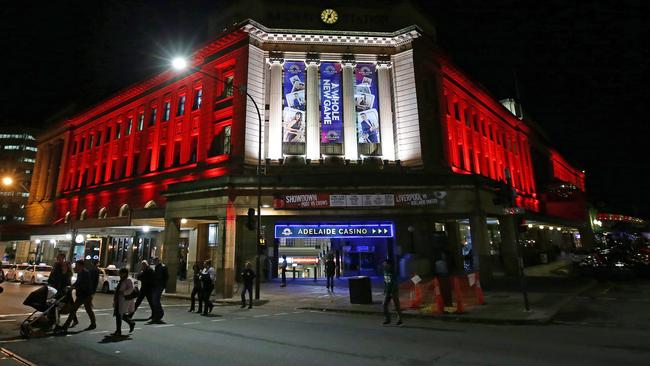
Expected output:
(381, 230)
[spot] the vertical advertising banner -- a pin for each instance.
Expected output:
(366, 103)
(295, 102)
(331, 101)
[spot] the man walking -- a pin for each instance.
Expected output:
(160, 278)
(84, 296)
(208, 275)
(330, 269)
(247, 277)
(391, 291)
(284, 271)
(146, 278)
(57, 279)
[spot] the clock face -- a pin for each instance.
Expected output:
(329, 16)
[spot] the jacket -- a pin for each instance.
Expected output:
(146, 277)
(83, 284)
(94, 279)
(120, 304)
(330, 267)
(247, 277)
(161, 276)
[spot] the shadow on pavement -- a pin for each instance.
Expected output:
(116, 338)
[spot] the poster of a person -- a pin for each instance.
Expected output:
(362, 89)
(296, 100)
(366, 80)
(368, 126)
(294, 125)
(298, 85)
(364, 101)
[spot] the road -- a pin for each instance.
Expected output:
(272, 334)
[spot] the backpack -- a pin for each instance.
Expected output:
(134, 294)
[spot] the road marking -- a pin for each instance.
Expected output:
(190, 323)
(298, 312)
(239, 318)
(217, 320)
(164, 325)
(7, 320)
(260, 316)
(99, 332)
(281, 314)
(8, 315)
(103, 314)
(137, 328)
(14, 341)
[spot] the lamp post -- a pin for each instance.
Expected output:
(180, 64)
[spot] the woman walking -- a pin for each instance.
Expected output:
(122, 304)
(196, 289)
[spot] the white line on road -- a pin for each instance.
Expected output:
(13, 341)
(298, 312)
(190, 323)
(281, 314)
(217, 320)
(260, 316)
(100, 332)
(239, 318)
(164, 325)
(137, 328)
(8, 315)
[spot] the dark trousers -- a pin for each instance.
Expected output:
(87, 302)
(141, 295)
(284, 277)
(207, 291)
(157, 311)
(330, 282)
(387, 298)
(196, 293)
(249, 289)
(118, 322)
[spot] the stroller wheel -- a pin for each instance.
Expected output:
(25, 330)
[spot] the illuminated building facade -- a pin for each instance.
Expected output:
(374, 146)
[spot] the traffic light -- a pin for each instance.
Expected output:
(250, 220)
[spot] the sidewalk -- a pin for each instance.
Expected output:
(503, 298)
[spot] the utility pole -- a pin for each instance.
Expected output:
(520, 260)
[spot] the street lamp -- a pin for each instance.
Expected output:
(181, 64)
(8, 181)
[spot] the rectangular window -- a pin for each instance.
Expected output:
(228, 87)
(108, 135)
(99, 138)
(129, 126)
(167, 107)
(456, 111)
(198, 96)
(140, 121)
(221, 142)
(213, 235)
(82, 145)
(90, 141)
(152, 120)
(74, 147)
(181, 106)
(118, 131)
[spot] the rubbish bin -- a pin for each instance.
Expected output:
(360, 290)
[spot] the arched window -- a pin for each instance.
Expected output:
(151, 204)
(103, 213)
(66, 219)
(83, 214)
(124, 210)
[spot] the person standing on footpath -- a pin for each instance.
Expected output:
(283, 267)
(122, 304)
(196, 289)
(93, 272)
(330, 269)
(247, 277)
(391, 292)
(146, 278)
(160, 278)
(84, 296)
(208, 275)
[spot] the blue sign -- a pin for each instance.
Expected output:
(331, 95)
(383, 230)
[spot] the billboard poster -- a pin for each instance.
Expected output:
(294, 103)
(366, 103)
(331, 101)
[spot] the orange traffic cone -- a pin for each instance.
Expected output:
(416, 297)
(478, 290)
(438, 306)
(459, 297)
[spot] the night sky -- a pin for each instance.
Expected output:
(582, 68)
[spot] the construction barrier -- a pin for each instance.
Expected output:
(427, 295)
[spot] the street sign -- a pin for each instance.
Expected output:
(381, 230)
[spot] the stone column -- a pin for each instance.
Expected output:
(43, 171)
(313, 113)
(349, 113)
(455, 262)
(226, 273)
(172, 236)
(481, 246)
(275, 110)
(36, 174)
(385, 110)
(508, 247)
(62, 164)
(53, 171)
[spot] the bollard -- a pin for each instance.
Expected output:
(459, 297)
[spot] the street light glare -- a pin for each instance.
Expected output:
(7, 181)
(179, 63)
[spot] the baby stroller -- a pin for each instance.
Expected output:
(48, 304)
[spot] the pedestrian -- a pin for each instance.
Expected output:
(93, 271)
(247, 277)
(123, 303)
(196, 289)
(182, 269)
(146, 278)
(283, 267)
(391, 292)
(83, 296)
(208, 275)
(160, 278)
(330, 269)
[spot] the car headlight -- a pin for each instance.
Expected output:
(39, 276)
(619, 264)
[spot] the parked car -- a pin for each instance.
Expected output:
(109, 277)
(16, 272)
(36, 274)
